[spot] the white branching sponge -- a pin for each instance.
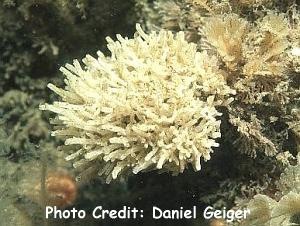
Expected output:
(150, 105)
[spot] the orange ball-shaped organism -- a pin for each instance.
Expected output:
(61, 189)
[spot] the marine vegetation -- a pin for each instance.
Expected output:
(204, 90)
(283, 209)
(255, 44)
(178, 85)
(257, 47)
(151, 104)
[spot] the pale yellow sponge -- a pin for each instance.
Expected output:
(150, 105)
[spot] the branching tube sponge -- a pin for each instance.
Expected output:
(150, 105)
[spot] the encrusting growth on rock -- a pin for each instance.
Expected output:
(150, 105)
